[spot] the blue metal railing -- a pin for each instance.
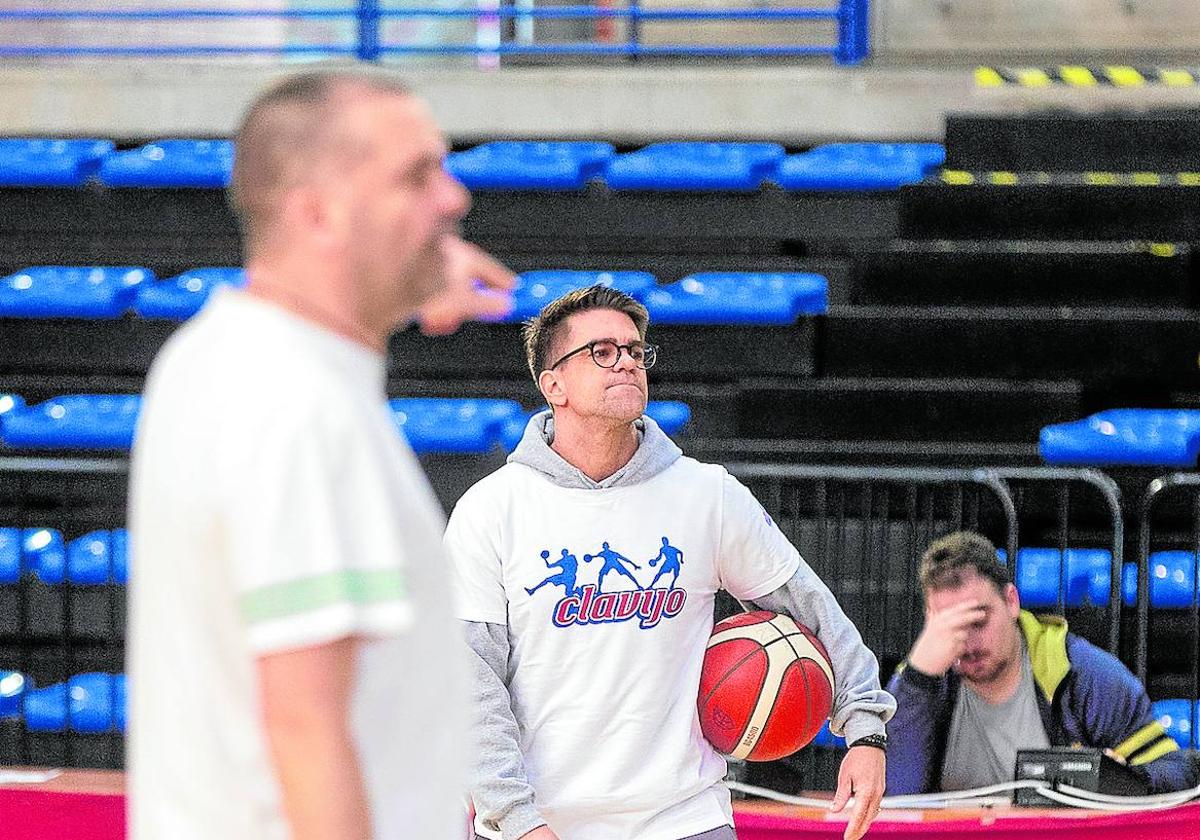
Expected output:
(369, 17)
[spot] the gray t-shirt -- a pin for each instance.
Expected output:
(981, 748)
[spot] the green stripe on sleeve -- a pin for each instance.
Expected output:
(300, 596)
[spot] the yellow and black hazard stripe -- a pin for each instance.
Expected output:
(1145, 745)
(963, 178)
(1087, 76)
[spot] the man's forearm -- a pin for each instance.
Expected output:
(305, 698)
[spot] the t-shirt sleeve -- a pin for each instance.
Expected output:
(317, 554)
(755, 557)
(472, 546)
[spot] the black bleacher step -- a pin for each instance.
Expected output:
(994, 272)
(873, 453)
(1158, 140)
(1066, 207)
(126, 346)
(705, 353)
(1092, 345)
(944, 410)
(685, 220)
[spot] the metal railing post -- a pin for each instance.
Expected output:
(854, 20)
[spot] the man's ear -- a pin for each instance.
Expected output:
(552, 389)
(1012, 600)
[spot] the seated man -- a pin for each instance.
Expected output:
(986, 678)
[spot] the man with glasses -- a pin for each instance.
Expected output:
(587, 725)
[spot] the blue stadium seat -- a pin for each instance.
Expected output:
(179, 298)
(1178, 717)
(90, 703)
(10, 556)
(1172, 576)
(695, 166)
(1088, 576)
(45, 709)
(44, 554)
(670, 415)
(452, 426)
(1125, 437)
(738, 298)
(535, 289)
(80, 421)
(98, 558)
(825, 738)
(170, 163)
(859, 166)
(53, 291)
(45, 162)
(12, 690)
(510, 165)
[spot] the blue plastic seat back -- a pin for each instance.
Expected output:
(13, 685)
(44, 554)
(10, 556)
(748, 298)
(171, 163)
(535, 289)
(452, 426)
(1088, 576)
(1172, 577)
(1178, 718)
(45, 709)
(181, 297)
(695, 166)
(520, 165)
(47, 162)
(92, 702)
(80, 421)
(859, 166)
(1125, 437)
(121, 701)
(97, 558)
(55, 291)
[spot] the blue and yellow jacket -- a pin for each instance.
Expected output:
(1085, 696)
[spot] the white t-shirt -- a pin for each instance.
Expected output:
(606, 658)
(274, 506)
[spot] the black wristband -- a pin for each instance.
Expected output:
(879, 742)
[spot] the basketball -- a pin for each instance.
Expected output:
(766, 686)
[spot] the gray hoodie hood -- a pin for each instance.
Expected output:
(654, 454)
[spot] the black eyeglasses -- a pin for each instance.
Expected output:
(607, 353)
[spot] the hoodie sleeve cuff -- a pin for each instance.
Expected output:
(862, 724)
(520, 820)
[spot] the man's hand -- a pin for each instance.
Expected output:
(943, 637)
(542, 832)
(861, 775)
(477, 287)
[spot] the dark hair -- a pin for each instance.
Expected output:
(542, 332)
(282, 133)
(948, 561)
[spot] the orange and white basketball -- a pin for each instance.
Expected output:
(766, 687)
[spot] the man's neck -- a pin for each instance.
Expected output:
(1004, 685)
(597, 448)
(325, 310)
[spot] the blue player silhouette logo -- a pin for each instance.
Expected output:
(613, 562)
(565, 577)
(672, 561)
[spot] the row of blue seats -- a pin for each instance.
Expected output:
(1125, 437)
(94, 559)
(101, 557)
(91, 704)
(735, 297)
(96, 703)
(431, 424)
(507, 165)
